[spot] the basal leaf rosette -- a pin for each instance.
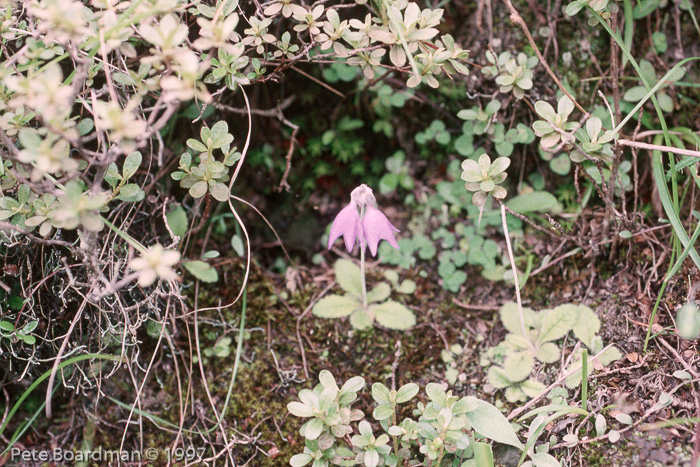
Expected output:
(483, 178)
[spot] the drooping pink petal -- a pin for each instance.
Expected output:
(347, 224)
(377, 227)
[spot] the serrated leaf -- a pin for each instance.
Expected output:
(532, 388)
(518, 366)
(556, 322)
(497, 377)
(548, 352)
(361, 320)
(348, 276)
(202, 271)
(336, 306)
(393, 315)
(510, 317)
(586, 326)
(379, 293)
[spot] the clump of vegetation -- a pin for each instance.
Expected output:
(167, 170)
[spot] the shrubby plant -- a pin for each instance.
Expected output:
(446, 428)
(484, 178)
(513, 74)
(90, 101)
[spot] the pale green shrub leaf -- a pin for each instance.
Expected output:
(131, 193)
(131, 164)
(381, 394)
(537, 201)
(202, 271)
(382, 412)
(406, 393)
(177, 221)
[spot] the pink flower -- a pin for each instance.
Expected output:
(375, 227)
(372, 227)
(346, 223)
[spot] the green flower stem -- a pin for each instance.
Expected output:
(127, 238)
(362, 274)
(584, 380)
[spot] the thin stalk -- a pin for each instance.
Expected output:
(584, 380)
(523, 328)
(394, 438)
